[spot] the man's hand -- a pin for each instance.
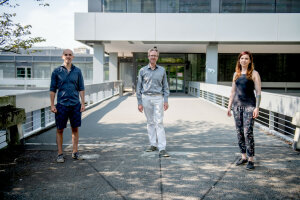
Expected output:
(82, 107)
(255, 113)
(53, 109)
(140, 108)
(166, 106)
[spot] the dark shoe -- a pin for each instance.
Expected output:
(60, 158)
(151, 148)
(77, 156)
(163, 153)
(250, 165)
(241, 161)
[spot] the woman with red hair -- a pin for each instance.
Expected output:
(245, 105)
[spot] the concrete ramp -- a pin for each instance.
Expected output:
(202, 143)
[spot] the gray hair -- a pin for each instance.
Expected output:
(153, 49)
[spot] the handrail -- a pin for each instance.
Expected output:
(277, 109)
(37, 105)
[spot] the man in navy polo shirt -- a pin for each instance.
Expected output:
(68, 81)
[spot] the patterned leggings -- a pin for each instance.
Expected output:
(244, 122)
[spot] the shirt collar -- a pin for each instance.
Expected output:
(72, 66)
(149, 67)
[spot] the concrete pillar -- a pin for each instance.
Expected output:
(211, 74)
(296, 122)
(113, 66)
(98, 62)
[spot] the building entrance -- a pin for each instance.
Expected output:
(175, 76)
(175, 65)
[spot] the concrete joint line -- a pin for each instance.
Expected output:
(107, 181)
(219, 179)
(161, 182)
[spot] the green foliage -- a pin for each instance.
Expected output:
(14, 36)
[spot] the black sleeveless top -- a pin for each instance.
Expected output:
(244, 93)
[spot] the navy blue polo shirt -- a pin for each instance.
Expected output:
(68, 85)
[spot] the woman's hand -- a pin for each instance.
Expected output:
(229, 112)
(255, 113)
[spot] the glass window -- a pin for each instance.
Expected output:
(232, 6)
(287, 6)
(24, 58)
(89, 71)
(76, 59)
(8, 70)
(54, 65)
(115, 6)
(106, 72)
(56, 58)
(167, 6)
(194, 6)
(89, 59)
(260, 6)
(23, 72)
(86, 70)
(41, 58)
(148, 6)
(134, 6)
(42, 70)
(7, 58)
(283, 65)
(226, 68)
(195, 70)
(171, 58)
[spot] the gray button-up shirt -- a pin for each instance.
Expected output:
(152, 82)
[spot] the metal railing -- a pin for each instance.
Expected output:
(37, 105)
(27, 82)
(275, 113)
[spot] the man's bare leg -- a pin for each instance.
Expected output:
(59, 140)
(75, 138)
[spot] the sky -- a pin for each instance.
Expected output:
(55, 23)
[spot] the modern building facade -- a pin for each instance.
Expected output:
(34, 69)
(199, 40)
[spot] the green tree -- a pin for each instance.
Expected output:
(14, 36)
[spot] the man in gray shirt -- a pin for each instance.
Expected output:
(152, 95)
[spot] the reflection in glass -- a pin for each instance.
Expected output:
(114, 5)
(194, 6)
(232, 6)
(287, 6)
(260, 6)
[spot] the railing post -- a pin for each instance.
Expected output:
(43, 118)
(121, 89)
(296, 122)
(271, 120)
(223, 101)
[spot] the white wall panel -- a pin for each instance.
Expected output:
(85, 26)
(246, 27)
(129, 26)
(185, 27)
(203, 27)
(289, 27)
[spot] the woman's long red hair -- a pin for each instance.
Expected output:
(238, 67)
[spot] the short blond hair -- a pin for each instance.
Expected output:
(153, 49)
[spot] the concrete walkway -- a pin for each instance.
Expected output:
(202, 143)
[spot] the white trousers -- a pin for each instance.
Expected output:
(154, 111)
